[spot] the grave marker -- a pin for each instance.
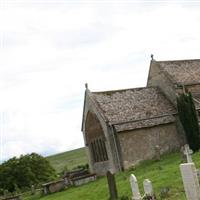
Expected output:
(148, 189)
(134, 188)
(190, 181)
(112, 186)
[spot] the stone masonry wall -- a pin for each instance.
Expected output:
(139, 144)
(160, 80)
(100, 168)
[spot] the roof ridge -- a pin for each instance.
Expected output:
(178, 60)
(121, 90)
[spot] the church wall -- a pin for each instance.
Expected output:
(100, 167)
(139, 144)
(158, 79)
(180, 130)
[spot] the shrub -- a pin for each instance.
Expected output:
(21, 173)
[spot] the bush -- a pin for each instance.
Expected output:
(21, 173)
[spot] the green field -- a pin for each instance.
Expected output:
(163, 174)
(69, 159)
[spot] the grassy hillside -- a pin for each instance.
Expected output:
(163, 174)
(69, 159)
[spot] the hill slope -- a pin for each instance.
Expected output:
(69, 159)
(164, 174)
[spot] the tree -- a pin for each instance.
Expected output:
(25, 171)
(189, 120)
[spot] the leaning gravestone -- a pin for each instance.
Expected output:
(190, 181)
(112, 186)
(134, 188)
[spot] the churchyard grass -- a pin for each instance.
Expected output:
(164, 174)
(69, 159)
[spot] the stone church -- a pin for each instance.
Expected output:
(123, 127)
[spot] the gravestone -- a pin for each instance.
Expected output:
(148, 189)
(188, 153)
(134, 188)
(190, 181)
(112, 186)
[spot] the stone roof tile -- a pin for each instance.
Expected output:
(125, 107)
(182, 71)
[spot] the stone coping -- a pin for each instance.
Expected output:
(83, 177)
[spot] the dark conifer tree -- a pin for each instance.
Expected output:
(189, 120)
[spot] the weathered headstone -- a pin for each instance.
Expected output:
(188, 153)
(157, 152)
(134, 188)
(148, 189)
(190, 181)
(112, 186)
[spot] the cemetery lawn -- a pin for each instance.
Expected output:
(164, 174)
(69, 159)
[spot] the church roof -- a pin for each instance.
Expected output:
(134, 108)
(182, 71)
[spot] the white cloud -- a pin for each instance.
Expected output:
(49, 52)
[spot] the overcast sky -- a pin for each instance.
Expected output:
(50, 48)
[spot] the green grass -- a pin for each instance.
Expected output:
(69, 159)
(163, 173)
